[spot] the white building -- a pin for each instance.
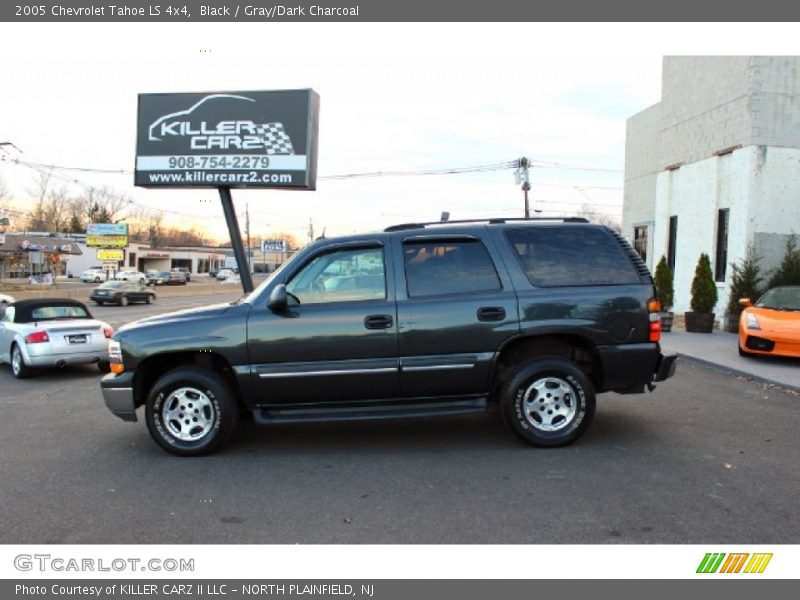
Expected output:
(715, 166)
(142, 257)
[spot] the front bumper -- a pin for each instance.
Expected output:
(118, 395)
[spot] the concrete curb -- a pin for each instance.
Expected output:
(731, 371)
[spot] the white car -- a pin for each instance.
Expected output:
(232, 279)
(135, 276)
(52, 332)
(93, 276)
(223, 274)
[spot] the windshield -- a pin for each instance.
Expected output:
(787, 298)
(269, 279)
(163, 274)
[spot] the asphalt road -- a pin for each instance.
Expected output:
(707, 458)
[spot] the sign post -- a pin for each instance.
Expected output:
(226, 140)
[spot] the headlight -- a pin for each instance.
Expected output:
(751, 322)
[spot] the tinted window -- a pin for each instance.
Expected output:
(341, 276)
(58, 312)
(448, 267)
(571, 256)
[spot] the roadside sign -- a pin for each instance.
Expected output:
(273, 245)
(107, 235)
(228, 139)
(107, 229)
(110, 254)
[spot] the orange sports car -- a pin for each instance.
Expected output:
(771, 326)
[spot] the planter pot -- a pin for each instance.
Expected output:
(699, 322)
(731, 323)
(666, 321)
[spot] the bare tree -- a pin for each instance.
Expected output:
(48, 211)
(601, 218)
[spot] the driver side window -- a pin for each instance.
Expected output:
(341, 276)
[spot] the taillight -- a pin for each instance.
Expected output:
(37, 337)
(654, 316)
(108, 331)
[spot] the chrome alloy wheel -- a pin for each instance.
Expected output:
(188, 414)
(16, 361)
(549, 404)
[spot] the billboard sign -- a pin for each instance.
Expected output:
(107, 235)
(273, 245)
(228, 139)
(110, 254)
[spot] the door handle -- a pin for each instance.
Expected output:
(378, 322)
(491, 313)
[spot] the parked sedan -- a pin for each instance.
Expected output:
(122, 293)
(52, 332)
(93, 276)
(771, 326)
(136, 276)
(185, 272)
(223, 274)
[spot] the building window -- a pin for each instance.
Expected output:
(640, 241)
(721, 264)
(671, 243)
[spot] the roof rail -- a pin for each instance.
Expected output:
(489, 220)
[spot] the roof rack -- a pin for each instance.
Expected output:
(489, 220)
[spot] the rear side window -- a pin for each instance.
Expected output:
(570, 256)
(441, 267)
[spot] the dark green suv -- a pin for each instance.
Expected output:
(417, 320)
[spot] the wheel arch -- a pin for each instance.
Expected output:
(153, 367)
(575, 348)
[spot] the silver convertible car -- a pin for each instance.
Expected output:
(52, 332)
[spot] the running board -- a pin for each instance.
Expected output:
(307, 414)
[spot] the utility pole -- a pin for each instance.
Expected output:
(310, 230)
(523, 177)
(247, 229)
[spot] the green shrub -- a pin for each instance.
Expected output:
(788, 272)
(745, 281)
(704, 290)
(664, 287)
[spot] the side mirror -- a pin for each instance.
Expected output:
(279, 298)
(745, 302)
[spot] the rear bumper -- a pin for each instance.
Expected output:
(628, 368)
(70, 358)
(118, 395)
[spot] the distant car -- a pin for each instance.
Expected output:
(122, 293)
(771, 326)
(136, 276)
(232, 279)
(185, 271)
(52, 332)
(157, 278)
(223, 274)
(93, 276)
(177, 278)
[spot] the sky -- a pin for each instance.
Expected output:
(393, 97)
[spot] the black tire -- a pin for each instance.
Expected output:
(99, 302)
(21, 371)
(547, 418)
(215, 398)
(104, 366)
(123, 301)
(97, 280)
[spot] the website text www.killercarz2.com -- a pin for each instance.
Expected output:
(205, 177)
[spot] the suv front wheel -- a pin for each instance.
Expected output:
(191, 412)
(547, 401)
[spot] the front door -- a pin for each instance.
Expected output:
(339, 343)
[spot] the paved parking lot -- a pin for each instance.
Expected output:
(707, 458)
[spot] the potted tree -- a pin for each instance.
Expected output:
(704, 297)
(665, 293)
(745, 283)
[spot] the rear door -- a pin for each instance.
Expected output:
(340, 342)
(455, 307)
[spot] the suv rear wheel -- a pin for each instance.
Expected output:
(191, 412)
(547, 401)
